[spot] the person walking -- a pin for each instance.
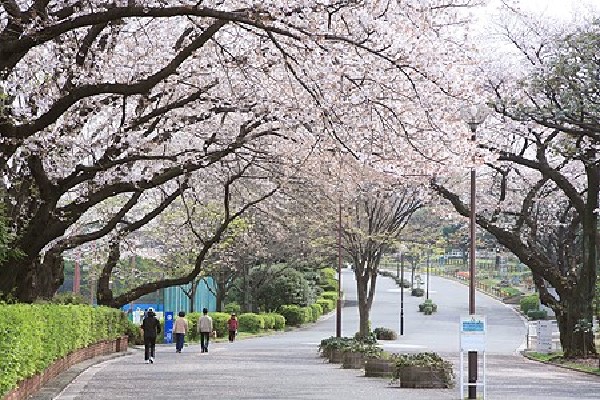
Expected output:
(151, 327)
(205, 327)
(180, 329)
(232, 327)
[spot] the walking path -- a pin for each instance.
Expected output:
(286, 365)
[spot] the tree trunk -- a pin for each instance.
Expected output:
(220, 298)
(28, 279)
(192, 296)
(575, 344)
(363, 305)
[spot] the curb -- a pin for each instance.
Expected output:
(524, 354)
(56, 385)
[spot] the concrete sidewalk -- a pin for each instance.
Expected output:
(286, 365)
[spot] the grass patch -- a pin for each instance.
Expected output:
(589, 365)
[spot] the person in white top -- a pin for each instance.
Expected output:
(205, 327)
(180, 329)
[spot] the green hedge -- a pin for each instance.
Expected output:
(294, 315)
(531, 302)
(279, 321)
(34, 336)
(250, 322)
(326, 304)
(329, 295)
(316, 311)
(269, 320)
(219, 322)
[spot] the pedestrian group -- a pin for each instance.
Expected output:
(151, 328)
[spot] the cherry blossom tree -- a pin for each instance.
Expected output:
(542, 193)
(103, 100)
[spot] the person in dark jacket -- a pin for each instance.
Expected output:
(151, 327)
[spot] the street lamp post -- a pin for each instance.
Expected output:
(427, 295)
(474, 116)
(401, 294)
(338, 313)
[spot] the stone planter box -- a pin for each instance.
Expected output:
(336, 356)
(353, 360)
(421, 377)
(379, 368)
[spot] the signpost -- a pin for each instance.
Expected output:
(544, 336)
(169, 327)
(473, 329)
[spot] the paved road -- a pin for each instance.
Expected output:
(286, 366)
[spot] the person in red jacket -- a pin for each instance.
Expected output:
(232, 326)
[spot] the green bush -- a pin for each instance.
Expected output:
(33, 336)
(329, 295)
(294, 315)
(308, 315)
(233, 308)
(326, 304)
(385, 334)
(219, 322)
(134, 333)
(418, 292)
(537, 314)
(531, 302)
(192, 319)
(316, 312)
(279, 321)
(250, 322)
(269, 320)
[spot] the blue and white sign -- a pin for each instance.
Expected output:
(169, 327)
(473, 329)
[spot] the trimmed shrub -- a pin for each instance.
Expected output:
(537, 314)
(316, 311)
(279, 321)
(308, 315)
(531, 302)
(192, 319)
(329, 295)
(293, 314)
(219, 322)
(250, 322)
(418, 292)
(34, 336)
(326, 304)
(269, 320)
(385, 334)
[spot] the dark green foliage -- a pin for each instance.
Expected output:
(385, 334)
(34, 336)
(275, 285)
(531, 302)
(418, 292)
(232, 308)
(293, 314)
(537, 314)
